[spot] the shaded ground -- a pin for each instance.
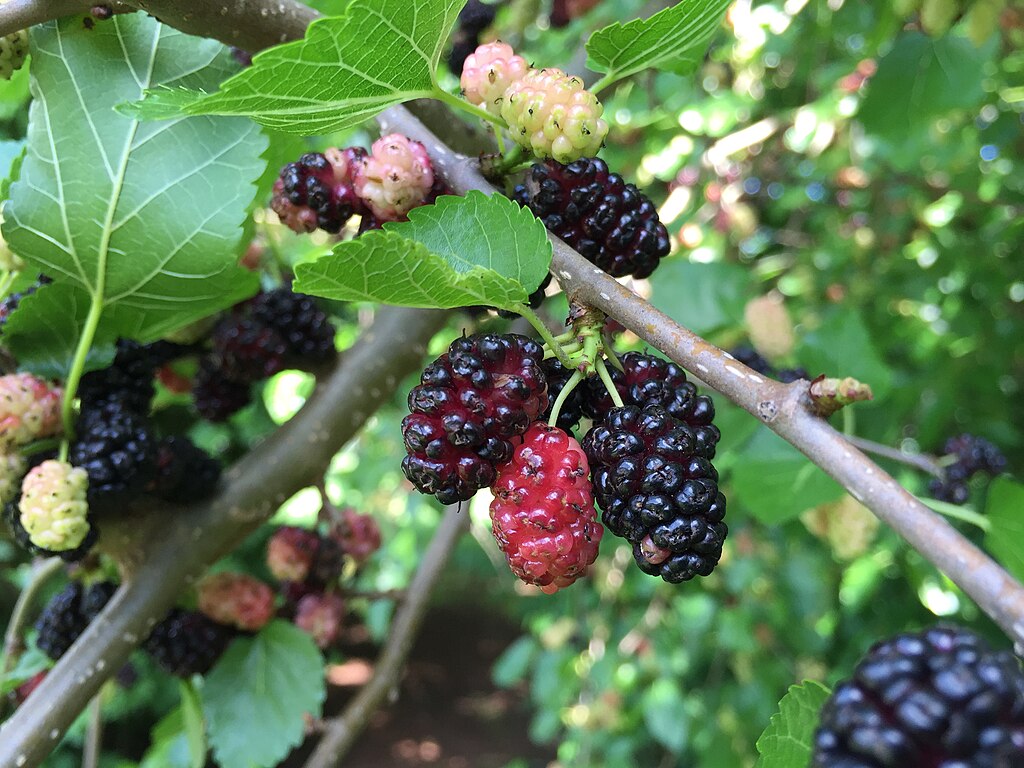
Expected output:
(449, 714)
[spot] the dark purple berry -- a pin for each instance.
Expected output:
(187, 643)
(608, 221)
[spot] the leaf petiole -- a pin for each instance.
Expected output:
(957, 512)
(542, 330)
(454, 101)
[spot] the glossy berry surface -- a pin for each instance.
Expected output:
(187, 643)
(649, 380)
(553, 115)
(611, 223)
(247, 350)
(658, 489)
(117, 449)
(542, 515)
(934, 699)
(470, 403)
(316, 191)
(305, 328)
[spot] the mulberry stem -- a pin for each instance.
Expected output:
(570, 385)
(956, 512)
(602, 371)
(545, 334)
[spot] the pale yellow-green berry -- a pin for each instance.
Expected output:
(553, 115)
(12, 469)
(53, 507)
(769, 326)
(13, 51)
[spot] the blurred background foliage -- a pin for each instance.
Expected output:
(862, 171)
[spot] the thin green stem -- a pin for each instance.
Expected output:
(602, 371)
(41, 573)
(956, 512)
(609, 352)
(92, 322)
(849, 422)
(605, 82)
(545, 334)
(570, 385)
(454, 101)
(567, 349)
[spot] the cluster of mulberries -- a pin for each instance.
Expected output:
(475, 17)
(308, 565)
(325, 190)
(258, 338)
(610, 222)
(547, 111)
(756, 362)
(973, 455)
(474, 423)
(940, 697)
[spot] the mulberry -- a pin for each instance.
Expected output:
(320, 616)
(470, 403)
(236, 599)
(29, 410)
(13, 52)
(115, 446)
(307, 331)
(658, 490)
(543, 515)
(187, 643)
(927, 699)
(68, 614)
(184, 472)
(611, 223)
(53, 507)
(648, 380)
(553, 115)
(317, 191)
(394, 178)
(487, 74)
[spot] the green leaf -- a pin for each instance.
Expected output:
(664, 708)
(1006, 536)
(702, 297)
(787, 741)
(255, 697)
(192, 720)
(43, 331)
(919, 79)
(513, 665)
(346, 70)
(145, 218)
(674, 40)
(463, 251)
(776, 482)
(30, 663)
(169, 746)
(842, 346)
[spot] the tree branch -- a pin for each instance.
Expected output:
(915, 460)
(173, 545)
(783, 408)
(341, 733)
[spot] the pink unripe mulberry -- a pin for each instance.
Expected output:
(236, 599)
(320, 616)
(488, 72)
(291, 553)
(29, 410)
(543, 515)
(395, 177)
(553, 115)
(357, 535)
